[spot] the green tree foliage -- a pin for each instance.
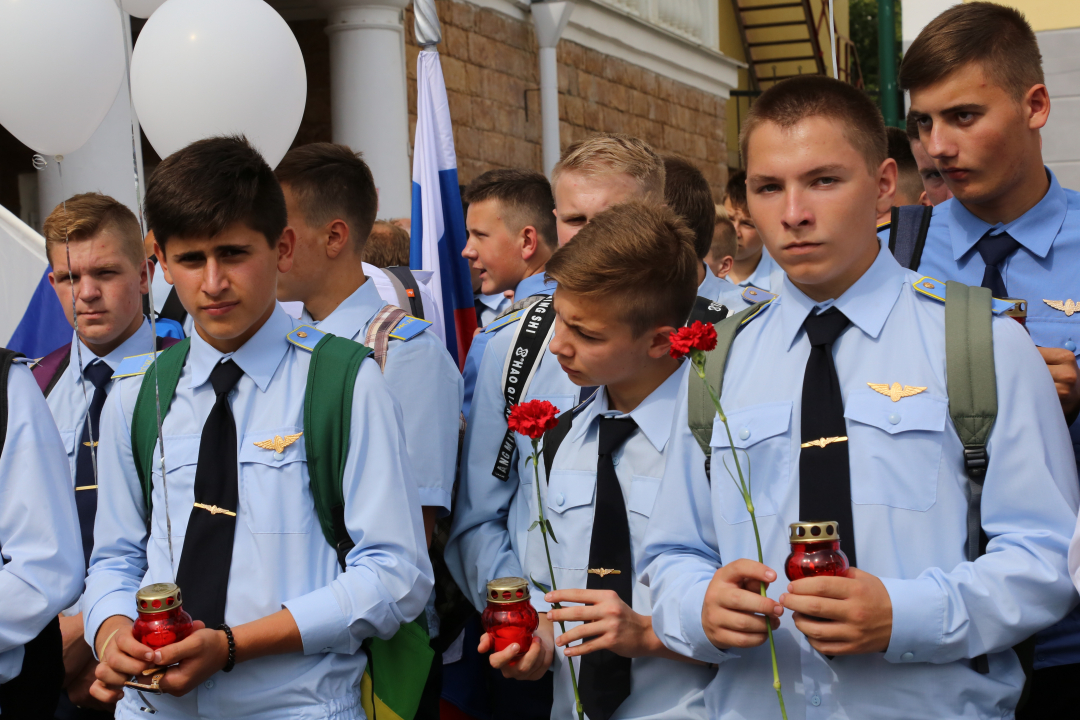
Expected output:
(864, 33)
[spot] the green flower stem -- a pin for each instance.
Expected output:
(551, 570)
(697, 359)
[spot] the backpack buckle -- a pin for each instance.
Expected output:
(976, 460)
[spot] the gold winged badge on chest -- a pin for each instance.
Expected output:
(278, 443)
(895, 391)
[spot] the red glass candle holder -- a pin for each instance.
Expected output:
(509, 616)
(815, 550)
(162, 619)
(1018, 311)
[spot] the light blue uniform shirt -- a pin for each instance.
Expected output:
(72, 393)
(1045, 268)
(492, 517)
(721, 290)
(533, 285)
(41, 556)
(491, 306)
(909, 506)
(280, 556)
(661, 688)
(422, 377)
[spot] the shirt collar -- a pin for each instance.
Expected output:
(653, 415)
(354, 312)
(138, 344)
(761, 275)
(491, 302)
(537, 284)
(867, 303)
(711, 286)
(259, 357)
(1035, 229)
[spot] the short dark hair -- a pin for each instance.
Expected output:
(736, 189)
(387, 245)
(211, 184)
(791, 101)
(331, 181)
(998, 38)
(911, 126)
(687, 192)
(908, 180)
(637, 257)
(525, 196)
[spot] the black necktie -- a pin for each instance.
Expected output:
(605, 676)
(824, 472)
(994, 250)
(99, 374)
(203, 574)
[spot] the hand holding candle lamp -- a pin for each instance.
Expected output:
(509, 617)
(162, 621)
(815, 551)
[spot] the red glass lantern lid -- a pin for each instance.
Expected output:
(811, 532)
(508, 590)
(159, 597)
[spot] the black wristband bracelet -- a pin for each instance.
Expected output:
(231, 662)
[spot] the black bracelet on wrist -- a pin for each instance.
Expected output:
(231, 662)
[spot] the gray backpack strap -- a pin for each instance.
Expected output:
(972, 380)
(907, 234)
(700, 410)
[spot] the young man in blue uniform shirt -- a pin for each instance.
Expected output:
(107, 275)
(1010, 227)
(624, 285)
(511, 226)
(332, 204)
(753, 266)
(241, 512)
(41, 566)
(901, 635)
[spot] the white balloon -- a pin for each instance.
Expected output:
(140, 8)
(218, 67)
(61, 64)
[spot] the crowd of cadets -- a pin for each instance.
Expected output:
(579, 285)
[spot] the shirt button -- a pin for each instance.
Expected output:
(907, 657)
(279, 456)
(744, 433)
(615, 461)
(1070, 346)
(209, 684)
(560, 499)
(894, 418)
(816, 700)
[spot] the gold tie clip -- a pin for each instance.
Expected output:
(604, 572)
(822, 442)
(215, 510)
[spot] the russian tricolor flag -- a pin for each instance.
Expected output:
(438, 223)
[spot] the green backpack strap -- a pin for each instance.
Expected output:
(165, 372)
(700, 410)
(392, 692)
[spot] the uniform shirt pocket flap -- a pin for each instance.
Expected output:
(917, 412)
(274, 448)
(751, 425)
(68, 438)
(643, 494)
(569, 489)
(561, 402)
(180, 450)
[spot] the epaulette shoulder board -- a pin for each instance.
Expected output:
(753, 294)
(135, 365)
(409, 327)
(764, 303)
(305, 337)
(28, 362)
(504, 321)
(935, 289)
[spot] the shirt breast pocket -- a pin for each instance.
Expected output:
(895, 448)
(570, 511)
(181, 463)
(761, 434)
(68, 438)
(274, 494)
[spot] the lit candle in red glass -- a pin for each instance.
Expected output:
(509, 616)
(1018, 311)
(815, 550)
(162, 619)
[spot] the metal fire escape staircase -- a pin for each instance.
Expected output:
(780, 40)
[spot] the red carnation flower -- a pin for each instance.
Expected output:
(533, 418)
(699, 336)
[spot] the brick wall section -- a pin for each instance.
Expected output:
(489, 62)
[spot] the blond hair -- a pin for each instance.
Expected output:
(615, 153)
(83, 216)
